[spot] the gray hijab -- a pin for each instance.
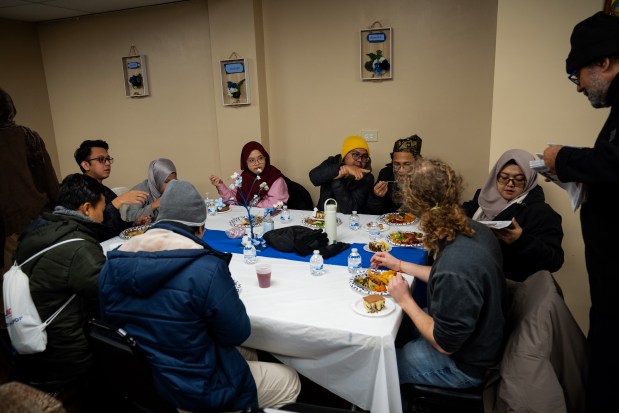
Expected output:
(158, 172)
(491, 203)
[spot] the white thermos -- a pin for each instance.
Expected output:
(331, 220)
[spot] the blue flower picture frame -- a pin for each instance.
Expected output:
(376, 53)
(134, 74)
(234, 82)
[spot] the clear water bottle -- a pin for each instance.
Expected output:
(267, 224)
(317, 264)
(374, 231)
(211, 208)
(353, 222)
(354, 261)
(285, 216)
(249, 251)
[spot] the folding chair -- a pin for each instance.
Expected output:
(126, 370)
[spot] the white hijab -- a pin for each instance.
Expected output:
(491, 203)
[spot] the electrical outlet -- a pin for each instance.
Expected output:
(370, 135)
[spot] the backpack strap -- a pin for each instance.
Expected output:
(49, 248)
(51, 318)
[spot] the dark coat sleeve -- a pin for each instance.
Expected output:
(539, 246)
(112, 222)
(326, 171)
(378, 205)
(470, 207)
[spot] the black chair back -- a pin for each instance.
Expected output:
(126, 370)
(300, 198)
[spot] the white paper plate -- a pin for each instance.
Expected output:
(385, 219)
(358, 307)
(313, 222)
(126, 234)
(367, 248)
(397, 244)
(359, 288)
(381, 226)
(240, 222)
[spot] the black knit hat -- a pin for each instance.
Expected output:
(593, 38)
(411, 144)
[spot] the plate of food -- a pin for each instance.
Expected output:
(317, 223)
(381, 226)
(398, 218)
(133, 231)
(377, 246)
(371, 281)
(223, 209)
(373, 306)
(243, 222)
(405, 239)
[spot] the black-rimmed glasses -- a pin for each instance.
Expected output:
(573, 77)
(363, 156)
(518, 180)
(102, 159)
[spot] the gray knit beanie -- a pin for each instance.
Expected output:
(181, 202)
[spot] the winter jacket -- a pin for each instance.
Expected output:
(174, 294)
(539, 246)
(378, 205)
(598, 169)
(54, 277)
(351, 195)
(112, 222)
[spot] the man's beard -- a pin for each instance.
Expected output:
(598, 90)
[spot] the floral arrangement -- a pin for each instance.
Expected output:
(136, 81)
(246, 202)
(377, 63)
(234, 89)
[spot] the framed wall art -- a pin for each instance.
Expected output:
(134, 74)
(376, 53)
(234, 82)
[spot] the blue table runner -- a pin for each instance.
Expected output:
(219, 241)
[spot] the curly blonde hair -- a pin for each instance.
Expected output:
(432, 191)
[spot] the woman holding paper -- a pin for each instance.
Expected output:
(533, 240)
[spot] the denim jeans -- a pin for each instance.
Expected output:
(420, 363)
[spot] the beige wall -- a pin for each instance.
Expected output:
(22, 76)
(534, 104)
(467, 102)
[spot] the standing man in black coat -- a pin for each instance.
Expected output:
(593, 64)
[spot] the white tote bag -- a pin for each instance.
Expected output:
(26, 330)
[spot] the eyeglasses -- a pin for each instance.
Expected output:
(573, 77)
(406, 166)
(519, 181)
(102, 159)
(363, 156)
(259, 159)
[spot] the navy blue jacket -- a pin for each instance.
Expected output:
(184, 311)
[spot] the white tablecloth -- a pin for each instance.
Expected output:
(308, 322)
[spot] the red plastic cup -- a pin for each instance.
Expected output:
(263, 271)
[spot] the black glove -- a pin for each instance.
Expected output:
(306, 244)
(333, 249)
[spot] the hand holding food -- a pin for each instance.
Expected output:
(398, 289)
(380, 189)
(130, 197)
(384, 259)
(142, 220)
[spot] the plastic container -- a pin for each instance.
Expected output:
(249, 251)
(331, 220)
(317, 264)
(267, 224)
(354, 261)
(354, 222)
(374, 231)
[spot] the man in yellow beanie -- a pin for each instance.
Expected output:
(346, 177)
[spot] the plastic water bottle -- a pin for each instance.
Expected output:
(249, 251)
(267, 224)
(211, 208)
(353, 222)
(285, 214)
(354, 261)
(374, 231)
(317, 265)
